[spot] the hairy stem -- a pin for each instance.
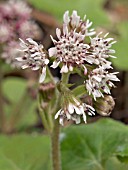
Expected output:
(55, 143)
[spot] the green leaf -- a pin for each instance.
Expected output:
(121, 62)
(94, 146)
(79, 91)
(23, 152)
(13, 88)
(93, 9)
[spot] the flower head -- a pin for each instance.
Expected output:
(100, 50)
(69, 50)
(13, 9)
(5, 33)
(73, 110)
(11, 52)
(15, 22)
(74, 22)
(35, 57)
(99, 82)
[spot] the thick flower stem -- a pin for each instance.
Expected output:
(55, 143)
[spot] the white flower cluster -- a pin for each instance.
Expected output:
(99, 82)
(73, 111)
(70, 51)
(74, 22)
(34, 57)
(100, 51)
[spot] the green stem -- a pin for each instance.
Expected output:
(45, 113)
(55, 144)
(50, 119)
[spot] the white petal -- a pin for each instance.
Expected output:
(90, 107)
(32, 41)
(84, 118)
(66, 18)
(76, 119)
(54, 41)
(106, 35)
(68, 116)
(24, 66)
(75, 19)
(85, 70)
(46, 61)
(70, 68)
(55, 64)
(77, 110)
(64, 69)
(113, 42)
(57, 114)
(76, 101)
(19, 59)
(109, 39)
(52, 51)
(35, 54)
(35, 68)
(80, 37)
(71, 108)
(58, 33)
(81, 109)
(97, 78)
(89, 113)
(61, 121)
(22, 44)
(90, 33)
(43, 75)
(65, 29)
(88, 24)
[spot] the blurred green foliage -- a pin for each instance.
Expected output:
(93, 9)
(99, 146)
(13, 88)
(24, 152)
(121, 47)
(20, 108)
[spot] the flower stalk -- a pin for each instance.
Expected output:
(55, 144)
